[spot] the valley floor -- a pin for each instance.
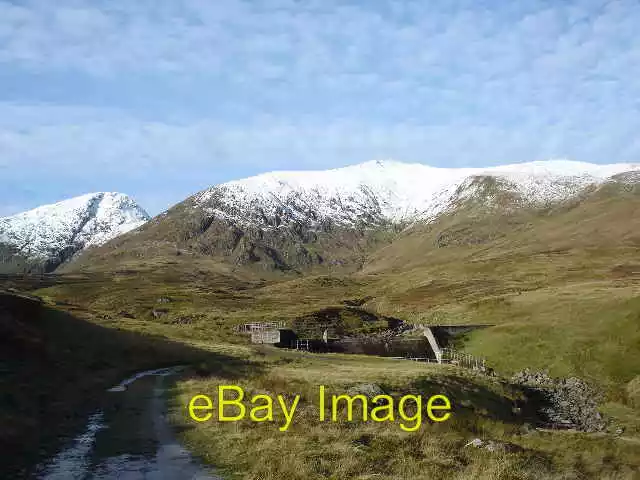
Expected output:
(89, 332)
(313, 449)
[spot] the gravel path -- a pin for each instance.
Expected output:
(129, 440)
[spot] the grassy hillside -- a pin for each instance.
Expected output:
(189, 230)
(55, 370)
(561, 286)
(311, 449)
(93, 355)
(556, 283)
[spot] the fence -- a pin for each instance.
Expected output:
(302, 345)
(417, 359)
(454, 357)
(250, 327)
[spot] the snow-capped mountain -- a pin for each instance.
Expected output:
(51, 234)
(389, 191)
(294, 221)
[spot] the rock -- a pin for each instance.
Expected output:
(363, 440)
(163, 300)
(476, 442)
(495, 446)
(157, 313)
(369, 390)
(490, 372)
(356, 302)
(527, 428)
(182, 321)
(633, 392)
(570, 402)
(507, 447)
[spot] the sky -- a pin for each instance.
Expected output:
(162, 98)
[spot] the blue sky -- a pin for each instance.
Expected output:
(159, 98)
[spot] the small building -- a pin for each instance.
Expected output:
(280, 337)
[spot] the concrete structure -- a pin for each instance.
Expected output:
(440, 335)
(433, 342)
(281, 337)
(250, 327)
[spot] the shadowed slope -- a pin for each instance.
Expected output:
(56, 368)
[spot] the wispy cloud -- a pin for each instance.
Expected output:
(192, 91)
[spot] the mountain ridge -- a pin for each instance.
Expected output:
(296, 221)
(46, 236)
(395, 191)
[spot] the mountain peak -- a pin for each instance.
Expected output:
(389, 190)
(293, 220)
(53, 233)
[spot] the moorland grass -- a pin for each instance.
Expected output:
(311, 449)
(561, 286)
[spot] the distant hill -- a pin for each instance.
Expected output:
(45, 237)
(332, 220)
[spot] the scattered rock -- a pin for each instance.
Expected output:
(527, 429)
(570, 402)
(495, 446)
(363, 440)
(633, 392)
(157, 312)
(507, 447)
(369, 390)
(126, 314)
(163, 300)
(182, 321)
(476, 442)
(490, 372)
(356, 302)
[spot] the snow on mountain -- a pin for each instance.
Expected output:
(379, 191)
(61, 229)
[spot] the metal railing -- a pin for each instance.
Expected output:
(250, 327)
(303, 345)
(454, 357)
(417, 359)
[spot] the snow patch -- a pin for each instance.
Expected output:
(74, 224)
(388, 190)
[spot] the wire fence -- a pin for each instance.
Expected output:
(250, 327)
(454, 357)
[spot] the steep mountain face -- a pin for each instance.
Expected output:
(43, 238)
(332, 219)
(376, 193)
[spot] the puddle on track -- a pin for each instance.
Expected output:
(129, 439)
(72, 463)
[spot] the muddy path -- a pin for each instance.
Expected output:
(129, 439)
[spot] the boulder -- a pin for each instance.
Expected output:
(570, 402)
(495, 446)
(369, 390)
(633, 392)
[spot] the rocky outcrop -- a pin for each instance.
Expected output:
(633, 392)
(569, 402)
(331, 221)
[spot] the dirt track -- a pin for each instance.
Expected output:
(129, 440)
